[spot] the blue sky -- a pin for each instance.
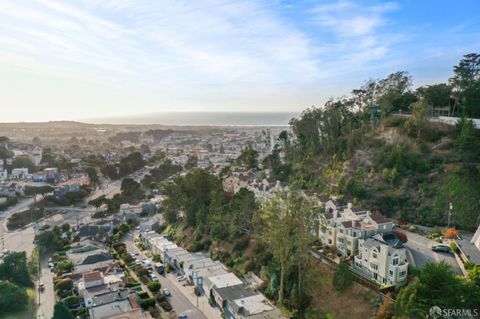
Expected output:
(97, 58)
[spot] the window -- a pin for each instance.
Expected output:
(395, 261)
(341, 231)
(360, 256)
(373, 266)
(403, 273)
(374, 255)
(391, 272)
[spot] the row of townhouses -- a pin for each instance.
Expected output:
(368, 239)
(235, 298)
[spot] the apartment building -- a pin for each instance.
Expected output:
(383, 259)
(353, 231)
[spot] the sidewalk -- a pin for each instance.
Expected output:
(203, 305)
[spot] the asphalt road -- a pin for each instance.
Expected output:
(179, 302)
(421, 249)
(47, 297)
(22, 205)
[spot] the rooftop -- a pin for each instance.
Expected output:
(235, 292)
(92, 276)
(225, 280)
(252, 305)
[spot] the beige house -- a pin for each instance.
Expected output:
(342, 226)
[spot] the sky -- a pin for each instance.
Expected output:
(68, 60)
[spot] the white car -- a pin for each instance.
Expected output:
(181, 278)
(153, 277)
(166, 292)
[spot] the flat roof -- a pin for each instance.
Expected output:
(254, 304)
(225, 280)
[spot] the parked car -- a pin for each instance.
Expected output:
(153, 277)
(183, 316)
(441, 249)
(41, 287)
(181, 278)
(166, 292)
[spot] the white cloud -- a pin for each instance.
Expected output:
(356, 29)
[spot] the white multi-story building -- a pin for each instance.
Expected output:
(342, 226)
(368, 236)
(382, 258)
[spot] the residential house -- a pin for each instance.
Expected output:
(252, 307)
(382, 258)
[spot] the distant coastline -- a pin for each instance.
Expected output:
(201, 119)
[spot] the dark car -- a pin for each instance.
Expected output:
(441, 249)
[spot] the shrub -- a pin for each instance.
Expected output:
(154, 286)
(147, 303)
(166, 306)
(451, 233)
(64, 284)
(342, 277)
(142, 295)
(454, 247)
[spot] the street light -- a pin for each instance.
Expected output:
(450, 209)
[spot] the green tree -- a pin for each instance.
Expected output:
(342, 277)
(23, 161)
(249, 157)
(192, 161)
(436, 95)
(419, 120)
(466, 82)
(131, 163)
(14, 269)
(394, 92)
(13, 298)
(111, 171)
(38, 190)
(285, 223)
(60, 311)
(131, 189)
(92, 173)
(436, 285)
(196, 194)
(466, 137)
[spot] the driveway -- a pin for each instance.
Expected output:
(421, 250)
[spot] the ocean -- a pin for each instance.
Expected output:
(202, 119)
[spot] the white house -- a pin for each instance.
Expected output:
(19, 172)
(382, 258)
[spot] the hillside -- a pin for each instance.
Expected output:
(411, 178)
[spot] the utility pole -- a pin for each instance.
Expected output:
(450, 208)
